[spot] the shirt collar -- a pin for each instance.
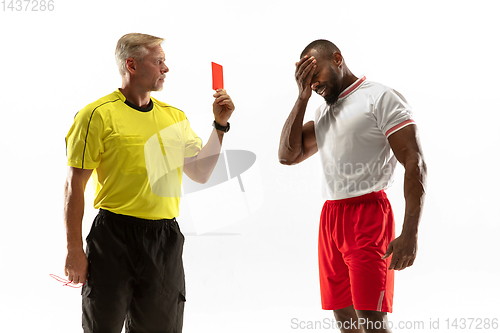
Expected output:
(147, 108)
(353, 87)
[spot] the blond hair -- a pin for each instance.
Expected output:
(133, 45)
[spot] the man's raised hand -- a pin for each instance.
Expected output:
(223, 107)
(304, 72)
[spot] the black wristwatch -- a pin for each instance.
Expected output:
(219, 127)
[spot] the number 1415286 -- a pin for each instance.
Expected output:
(28, 5)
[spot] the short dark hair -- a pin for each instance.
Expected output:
(325, 48)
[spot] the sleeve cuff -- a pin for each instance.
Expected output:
(80, 165)
(399, 126)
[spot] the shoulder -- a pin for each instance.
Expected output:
(175, 112)
(381, 90)
(374, 89)
(103, 103)
(108, 100)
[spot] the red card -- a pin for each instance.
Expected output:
(217, 77)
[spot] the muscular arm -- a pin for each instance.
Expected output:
(405, 144)
(74, 189)
(298, 141)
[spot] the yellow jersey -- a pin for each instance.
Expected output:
(137, 154)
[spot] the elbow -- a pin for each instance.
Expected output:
(66, 186)
(285, 154)
(423, 173)
(416, 172)
(421, 167)
(199, 177)
(287, 158)
(284, 161)
(289, 161)
(70, 186)
(415, 164)
(203, 180)
(282, 157)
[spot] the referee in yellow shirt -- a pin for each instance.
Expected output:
(136, 148)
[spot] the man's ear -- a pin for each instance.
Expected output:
(337, 59)
(131, 65)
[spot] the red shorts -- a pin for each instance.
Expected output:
(354, 234)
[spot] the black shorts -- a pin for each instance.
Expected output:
(135, 276)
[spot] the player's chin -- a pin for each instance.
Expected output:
(330, 100)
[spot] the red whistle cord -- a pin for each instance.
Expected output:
(66, 282)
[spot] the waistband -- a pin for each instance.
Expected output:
(362, 198)
(135, 220)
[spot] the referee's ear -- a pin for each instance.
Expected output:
(131, 65)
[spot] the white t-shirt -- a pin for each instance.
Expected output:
(352, 139)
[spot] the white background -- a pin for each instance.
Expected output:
(260, 273)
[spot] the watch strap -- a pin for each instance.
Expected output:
(219, 127)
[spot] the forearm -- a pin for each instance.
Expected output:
(74, 204)
(291, 136)
(414, 192)
(207, 158)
